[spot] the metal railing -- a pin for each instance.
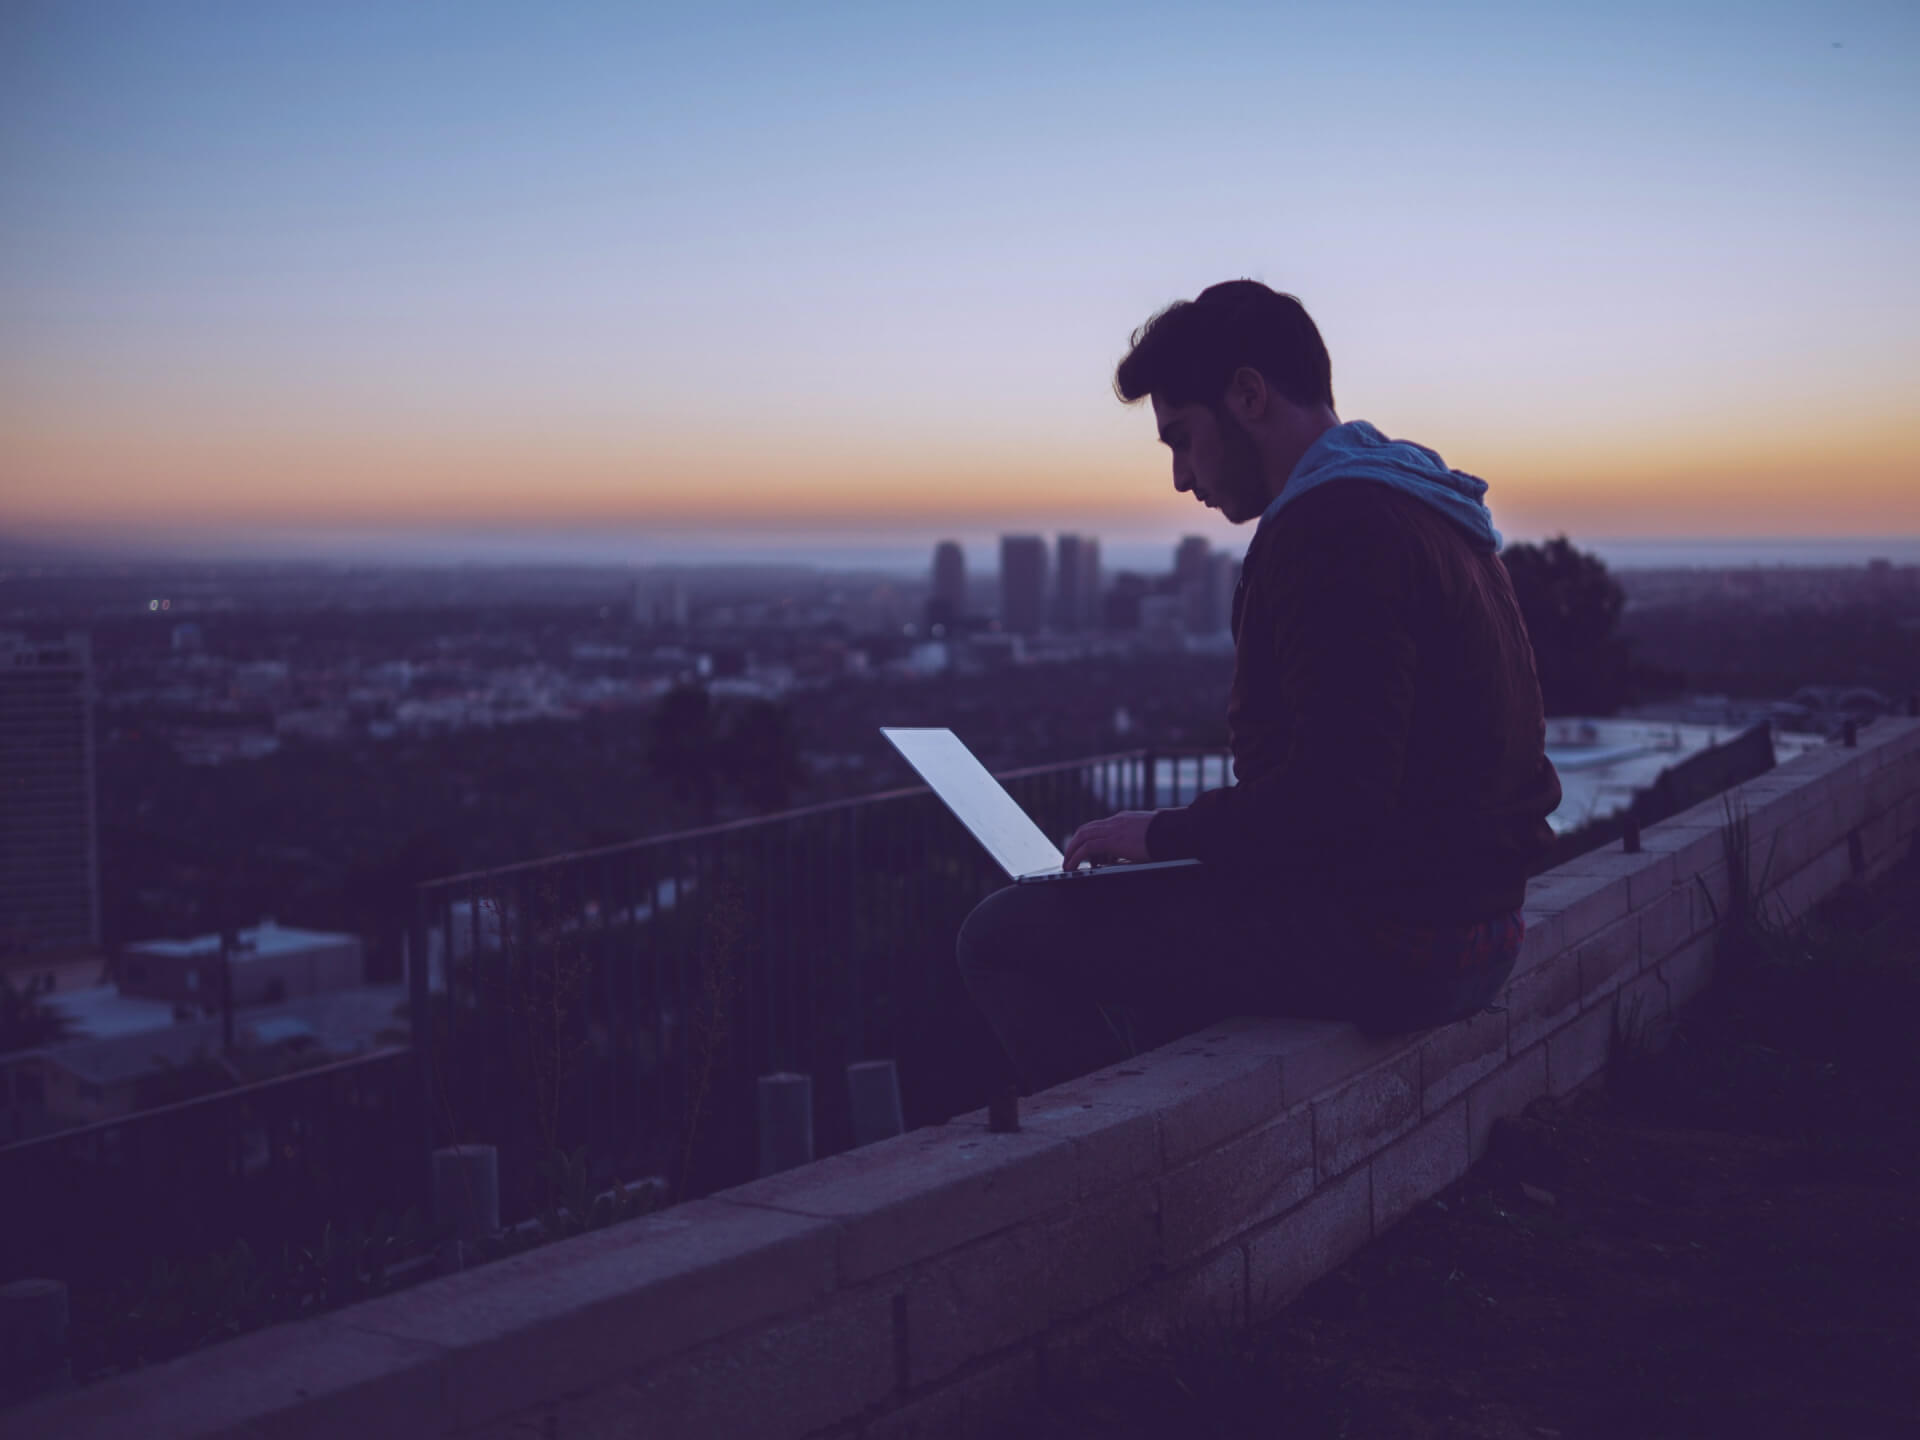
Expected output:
(271, 1163)
(626, 998)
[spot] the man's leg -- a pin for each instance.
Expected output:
(1040, 960)
(1187, 947)
(1023, 954)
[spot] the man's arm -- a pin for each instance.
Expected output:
(1335, 618)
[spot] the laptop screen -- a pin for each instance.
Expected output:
(959, 779)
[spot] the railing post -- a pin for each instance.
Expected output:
(466, 1198)
(33, 1339)
(1003, 1111)
(873, 1091)
(850, 935)
(1150, 789)
(786, 1122)
(419, 1008)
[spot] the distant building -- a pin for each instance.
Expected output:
(1880, 578)
(49, 867)
(1076, 590)
(932, 657)
(665, 607)
(270, 964)
(947, 603)
(1163, 622)
(990, 649)
(198, 746)
(52, 972)
(1190, 558)
(118, 1069)
(1023, 583)
(1223, 580)
(1204, 580)
(1120, 607)
(320, 724)
(261, 680)
(93, 1080)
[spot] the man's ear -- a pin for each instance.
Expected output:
(1248, 397)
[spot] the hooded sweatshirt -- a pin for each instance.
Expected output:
(1388, 737)
(1357, 451)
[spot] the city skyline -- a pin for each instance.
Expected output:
(273, 277)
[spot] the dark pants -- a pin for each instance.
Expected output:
(1074, 975)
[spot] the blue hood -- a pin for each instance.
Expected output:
(1357, 451)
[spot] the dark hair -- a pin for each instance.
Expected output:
(1188, 352)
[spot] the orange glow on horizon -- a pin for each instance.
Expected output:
(1856, 478)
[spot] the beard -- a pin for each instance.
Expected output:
(1242, 491)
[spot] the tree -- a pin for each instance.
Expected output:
(1571, 605)
(379, 887)
(26, 1024)
(761, 755)
(683, 749)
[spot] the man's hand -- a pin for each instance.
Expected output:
(1118, 837)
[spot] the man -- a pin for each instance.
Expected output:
(1392, 785)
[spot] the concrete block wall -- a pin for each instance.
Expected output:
(924, 1284)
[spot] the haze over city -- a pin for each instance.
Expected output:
(475, 281)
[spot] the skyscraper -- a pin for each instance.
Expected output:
(665, 609)
(948, 601)
(1120, 608)
(1090, 587)
(1023, 583)
(1190, 560)
(49, 873)
(1194, 581)
(1223, 578)
(1076, 591)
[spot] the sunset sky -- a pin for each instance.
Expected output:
(368, 270)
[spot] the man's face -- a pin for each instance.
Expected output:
(1214, 458)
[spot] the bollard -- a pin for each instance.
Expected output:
(33, 1338)
(873, 1089)
(1630, 836)
(786, 1122)
(1003, 1112)
(466, 1191)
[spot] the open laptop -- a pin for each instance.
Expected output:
(1017, 845)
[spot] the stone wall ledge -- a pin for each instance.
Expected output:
(912, 1286)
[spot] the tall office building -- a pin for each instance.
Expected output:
(49, 870)
(1120, 607)
(1076, 586)
(1090, 584)
(1223, 578)
(1023, 583)
(1190, 561)
(665, 607)
(1194, 582)
(947, 602)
